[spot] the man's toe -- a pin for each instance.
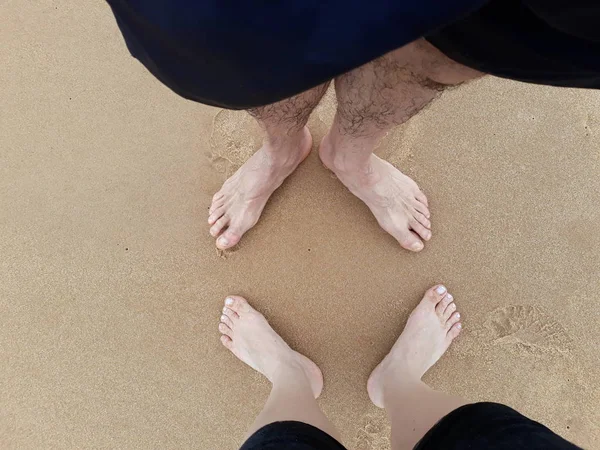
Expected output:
(420, 229)
(231, 236)
(219, 225)
(228, 239)
(422, 198)
(420, 217)
(216, 215)
(410, 241)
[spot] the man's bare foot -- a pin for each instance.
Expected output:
(394, 199)
(237, 206)
(250, 337)
(430, 330)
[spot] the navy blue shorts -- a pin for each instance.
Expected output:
(479, 426)
(551, 42)
(240, 54)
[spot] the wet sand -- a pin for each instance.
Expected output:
(112, 288)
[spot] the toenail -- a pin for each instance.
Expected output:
(223, 241)
(229, 301)
(417, 246)
(223, 318)
(440, 290)
(450, 297)
(459, 326)
(458, 315)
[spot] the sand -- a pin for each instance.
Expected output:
(111, 285)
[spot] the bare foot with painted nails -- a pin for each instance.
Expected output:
(395, 200)
(430, 330)
(238, 205)
(250, 337)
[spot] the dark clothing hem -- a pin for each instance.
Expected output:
(485, 426)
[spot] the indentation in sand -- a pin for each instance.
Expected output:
(525, 329)
(374, 433)
(234, 137)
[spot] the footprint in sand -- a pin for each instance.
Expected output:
(219, 163)
(234, 137)
(374, 433)
(525, 329)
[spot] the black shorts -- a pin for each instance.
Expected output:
(550, 42)
(485, 426)
(239, 55)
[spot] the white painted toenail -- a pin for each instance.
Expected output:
(450, 297)
(417, 246)
(224, 310)
(459, 326)
(440, 290)
(458, 315)
(223, 241)
(229, 301)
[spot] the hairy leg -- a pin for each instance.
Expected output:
(372, 99)
(395, 384)
(297, 381)
(287, 142)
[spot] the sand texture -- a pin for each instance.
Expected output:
(111, 287)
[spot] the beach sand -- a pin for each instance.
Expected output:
(111, 287)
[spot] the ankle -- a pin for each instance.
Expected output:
(287, 148)
(343, 157)
(289, 371)
(399, 384)
(398, 373)
(283, 139)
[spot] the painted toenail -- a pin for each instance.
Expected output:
(223, 241)
(229, 301)
(224, 310)
(459, 326)
(458, 315)
(417, 246)
(450, 297)
(440, 290)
